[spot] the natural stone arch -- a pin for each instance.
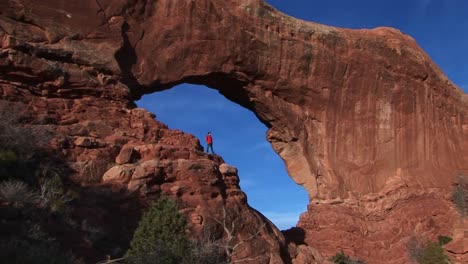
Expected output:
(364, 112)
(338, 102)
(350, 111)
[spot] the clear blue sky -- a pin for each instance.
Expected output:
(439, 26)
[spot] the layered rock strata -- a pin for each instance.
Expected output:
(363, 119)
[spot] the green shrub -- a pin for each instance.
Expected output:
(160, 236)
(444, 240)
(7, 157)
(342, 258)
(433, 253)
(53, 195)
(429, 252)
(16, 193)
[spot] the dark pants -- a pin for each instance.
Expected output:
(210, 146)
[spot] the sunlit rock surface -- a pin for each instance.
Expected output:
(363, 119)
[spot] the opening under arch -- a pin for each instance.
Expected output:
(239, 137)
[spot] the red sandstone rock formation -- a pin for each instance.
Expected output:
(363, 119)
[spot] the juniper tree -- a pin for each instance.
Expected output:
(160, 236)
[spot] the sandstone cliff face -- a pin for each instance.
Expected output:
(363, 119)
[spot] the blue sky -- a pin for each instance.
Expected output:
(439, 26)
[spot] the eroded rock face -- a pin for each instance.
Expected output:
(361, 116)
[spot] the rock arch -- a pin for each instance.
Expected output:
(356, 114)
(351, 112)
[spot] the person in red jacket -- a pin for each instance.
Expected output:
(209, 143)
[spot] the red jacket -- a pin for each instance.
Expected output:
(209, 139)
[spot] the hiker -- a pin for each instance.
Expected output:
(209, 143)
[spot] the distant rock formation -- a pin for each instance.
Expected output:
(363, 119)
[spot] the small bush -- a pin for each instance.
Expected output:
(53, 195)
(14, 136)
(433, 253)
(342, 258)
(7, 157)
(160, 236)
(206, 253)
(430, 252)
(16, 193)
(20, 144)
(444, 240)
